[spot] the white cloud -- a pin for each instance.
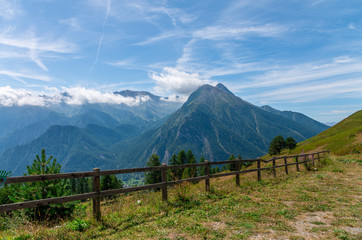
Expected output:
(303, 73)
(163, 36)
(72, 96)
(81, 95)
(173, 80)
(27, 47)
(22, 74)
(28, 41)
(10, 97)
(347, 88)
(9, 9)
(337, 112)
(222, 32)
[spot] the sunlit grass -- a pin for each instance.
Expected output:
(325, 202)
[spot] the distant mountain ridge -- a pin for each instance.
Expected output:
(298, 117)
(213, 122)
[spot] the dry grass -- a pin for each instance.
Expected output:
(320, 204)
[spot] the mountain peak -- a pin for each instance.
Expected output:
(270, 109)
(223, 88)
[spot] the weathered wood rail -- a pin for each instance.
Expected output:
(96, 174)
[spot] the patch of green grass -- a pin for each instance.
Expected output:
(341, 234)
(341, 139)
(78, 225)
(24, 237)
(317, 223)
(272, 206)
(287, 213)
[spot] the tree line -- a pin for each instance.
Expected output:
(278, 144)
(183, 158)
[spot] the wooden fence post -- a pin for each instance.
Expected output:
(286, 166)
(164, 180)
(297, 161)
(319, 158)
(237, 177)
(207, 173)
(97, 200)
(274, 172)
(259, 172)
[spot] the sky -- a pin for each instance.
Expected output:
(298, 55)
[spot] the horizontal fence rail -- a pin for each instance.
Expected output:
(96, 173)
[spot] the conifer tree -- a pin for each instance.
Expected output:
(190, 172)
(290, 143)
(110, 182)
(181, 160)
(41, 190)
(232, 166)
(172, 174)
(153, 176)
(276, 145)
(201, 170)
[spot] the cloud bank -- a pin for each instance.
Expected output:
(73, 96)
(176, 81)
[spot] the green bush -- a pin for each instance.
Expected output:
(77, 225)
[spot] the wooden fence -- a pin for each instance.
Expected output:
(96, 173)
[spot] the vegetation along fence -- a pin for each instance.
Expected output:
(96, 195)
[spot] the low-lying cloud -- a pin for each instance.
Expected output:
(176, 81)
(73, 96)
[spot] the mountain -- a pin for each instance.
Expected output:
(214, 123)
(22, 124)
(77, 149)
(298, 117)
(343, 138)
(14, 118)
(153, 109)
(23, 135)
(330, 123)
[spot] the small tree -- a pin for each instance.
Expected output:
(172, 174)
(190, 172)
(80, 185)
(110, 182)
(181, 160)
(232, 166)
(290, 143)
(276, 145)
(153, 176)
(4, 190)
(201, 170)
(42, 190)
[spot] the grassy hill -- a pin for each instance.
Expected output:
(322, 204)
(343, 138)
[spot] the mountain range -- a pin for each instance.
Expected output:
(213, 122)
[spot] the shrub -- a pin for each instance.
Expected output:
(78, 225)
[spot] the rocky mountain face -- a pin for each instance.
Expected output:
(213, 122)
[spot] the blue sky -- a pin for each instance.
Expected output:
(299, 55)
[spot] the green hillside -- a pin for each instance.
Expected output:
(343, 138)
(321, 204)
